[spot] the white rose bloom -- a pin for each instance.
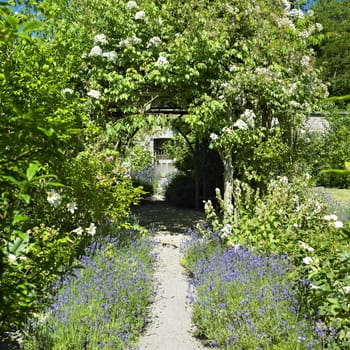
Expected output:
(303, 245)
(140, 15)
(162, 61)
(12, 258)
(94, 94)
(319, 27)
(213, 136)
(333, 217)
(67, 91)
(100, 39)
(131, 5)
(95, 51)
(307, 260)
(338, 224)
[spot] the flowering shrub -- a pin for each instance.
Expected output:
(244, 300)
(102, 304)
(290, 219)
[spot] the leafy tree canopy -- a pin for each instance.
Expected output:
(333, 53)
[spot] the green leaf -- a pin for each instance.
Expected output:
(26, 197)
(11, 179)
(47, 132)
(19, 218)
(31, 26)
(19, 244)
(32, 170)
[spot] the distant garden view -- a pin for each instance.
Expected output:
(84, 84)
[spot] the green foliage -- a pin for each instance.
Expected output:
(43, 254)
(333, 51)
(334, 151)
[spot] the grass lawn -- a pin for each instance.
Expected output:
(342, 195)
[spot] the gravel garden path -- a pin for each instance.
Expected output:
(170, 326)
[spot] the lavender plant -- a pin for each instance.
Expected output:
(102, 305)
(290, 219)
(244, 300)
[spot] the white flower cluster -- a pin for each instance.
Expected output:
(308, 260)
(283, 180)
(295, 13)
(262, 70)
(286, 5)
(304, 246)
(131, 5)
(161, 61)
(249, 116)
(91, 230)
(110, 55)
(294, 104)
(304, 34)
(214, 136)
(226, 231)
(94, 94)
(292, 88)
(333, 221)
(226, 130)
(134, 40)
(100, 39)
(139, 15)
(154, 41)
(286, 22)
(95, 51)
(67, 91)
(305, 61)
(241, 124)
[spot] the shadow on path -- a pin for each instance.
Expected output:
(164, 217)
